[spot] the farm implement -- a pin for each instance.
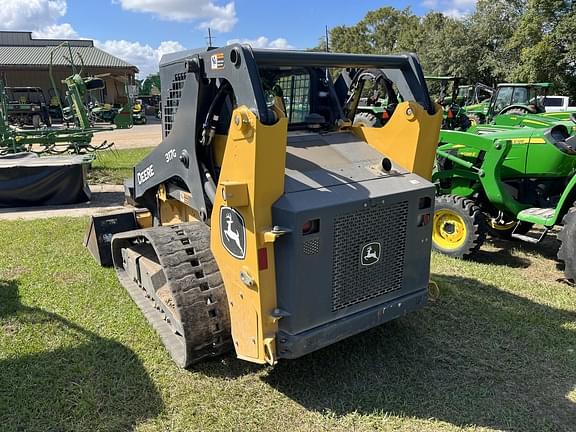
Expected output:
(55, 140)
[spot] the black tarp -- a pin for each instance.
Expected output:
(28, 180)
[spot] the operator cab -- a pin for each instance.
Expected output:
(312, 100)
(305, 96)
(524, 97)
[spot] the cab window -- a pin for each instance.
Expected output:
(294, 88)
(503, 99)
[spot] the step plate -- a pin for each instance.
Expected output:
(536, 215)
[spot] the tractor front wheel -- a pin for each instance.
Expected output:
(475, 119)
(459, 228)
(365, 119)
(567, 251)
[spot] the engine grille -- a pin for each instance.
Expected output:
(353, 282)
(172, 102)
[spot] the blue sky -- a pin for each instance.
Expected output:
(140, 31)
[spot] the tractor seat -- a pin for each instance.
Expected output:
(560, 137)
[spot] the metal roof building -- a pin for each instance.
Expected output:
(25, 61)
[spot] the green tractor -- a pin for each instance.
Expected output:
(470, 95)
(519, 104)
(475, 99)
(379, 99)
(445, 91)
(505, 182)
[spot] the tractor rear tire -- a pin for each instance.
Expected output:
(365, 119)
(475, 119)
(567, 251)
(459, 227)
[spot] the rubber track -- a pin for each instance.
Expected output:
(196, 286)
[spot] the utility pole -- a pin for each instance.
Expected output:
(327, 40)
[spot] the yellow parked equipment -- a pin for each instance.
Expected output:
(266, 222)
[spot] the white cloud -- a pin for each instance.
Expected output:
(453, 8)
(465, 3)
(30, 14)
(455, 13)
(264, 42)
(167, 47)
(221, 18)
(42, 18)
(143, 56)
(39, 16)
(430, 3)
(56, 31)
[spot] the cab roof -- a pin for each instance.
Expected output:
(441, 78)
(540, 85)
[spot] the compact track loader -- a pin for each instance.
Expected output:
(266, 221)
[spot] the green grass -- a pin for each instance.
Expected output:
(497, 351)
(113, 166)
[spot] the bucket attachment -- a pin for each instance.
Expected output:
(101, 230)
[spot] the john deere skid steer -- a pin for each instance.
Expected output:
(266, 222)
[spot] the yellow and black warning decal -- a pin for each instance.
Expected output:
(217, 61)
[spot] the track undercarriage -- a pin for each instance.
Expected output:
(172, 276)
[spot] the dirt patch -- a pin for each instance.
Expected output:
(71, 277)
(12, 273)
(10, 327)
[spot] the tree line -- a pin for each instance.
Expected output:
(502, 41)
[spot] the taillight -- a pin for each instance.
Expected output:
(311, 226)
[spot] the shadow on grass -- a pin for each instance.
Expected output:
(504, 255)
(478, 356)
(94, 384)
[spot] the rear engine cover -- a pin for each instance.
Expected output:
(358, 252)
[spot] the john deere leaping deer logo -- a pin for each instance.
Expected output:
(233, 232)
(370, 254)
